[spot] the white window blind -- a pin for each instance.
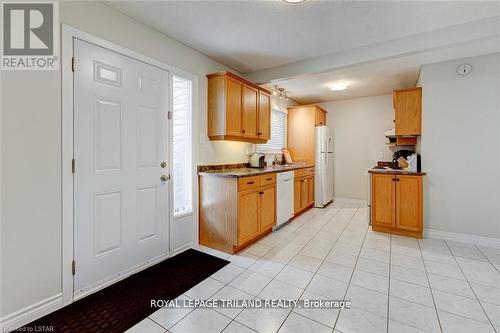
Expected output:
(182, 145)
(278, 133)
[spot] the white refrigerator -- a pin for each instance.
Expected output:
(323, 177)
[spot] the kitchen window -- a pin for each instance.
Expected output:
(182, 145)
(278, 133)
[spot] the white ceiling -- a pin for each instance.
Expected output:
(364, 80)
(254, 35)
(376, 77)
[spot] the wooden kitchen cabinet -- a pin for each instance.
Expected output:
(303, 190)
(250, 112)
(397, 204)
(264, 115)
(320, 117)
(234, 107)
(238, 110)
(234, 212)
(300, 134)
(408, 111)
(267, 207)
(248, 219)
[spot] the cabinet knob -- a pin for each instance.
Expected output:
(250, 183)
(261, 193)
(242, 131)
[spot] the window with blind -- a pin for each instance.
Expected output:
(278, 133)
(182, 145)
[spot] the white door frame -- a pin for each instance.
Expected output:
(68, 34)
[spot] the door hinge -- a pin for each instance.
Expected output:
(73, 165)
(73, 64)
(169, 114)
(73, 267)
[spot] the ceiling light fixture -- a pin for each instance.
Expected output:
(293, 2)
(280, 92)
(339, 85)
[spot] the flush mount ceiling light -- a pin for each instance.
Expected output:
(338, 86)
(293, 2)
(280, 92)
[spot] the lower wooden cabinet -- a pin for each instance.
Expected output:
(267, 207)
(248, 211)
(397, 204)
(303, 190)
(234, 212)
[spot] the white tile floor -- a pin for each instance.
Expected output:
(395, 284)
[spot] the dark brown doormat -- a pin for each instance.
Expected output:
(122, 305)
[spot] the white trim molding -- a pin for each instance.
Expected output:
(31, 312)
(463, 238)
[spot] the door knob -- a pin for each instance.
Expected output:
(163, 164)
(164, 178)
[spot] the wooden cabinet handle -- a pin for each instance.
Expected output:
(269, 179)
(261, 192)
(260, 133)
(242, 131)
(250, 183)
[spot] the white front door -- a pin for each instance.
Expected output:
(121, 219)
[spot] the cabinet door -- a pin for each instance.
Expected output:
(267, 207)
(264, 116)
(303, 192)
(234, 98)
(250, 105)
(248, 215)
(319, 118)
(409, 203)
(408, 111)
(296, 195)
(383, 200)
(310, 191)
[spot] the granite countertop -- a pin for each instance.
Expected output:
(244, 172)
(395, 171)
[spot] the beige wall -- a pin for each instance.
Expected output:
(31, 151)
(358, 141)
(460, 146)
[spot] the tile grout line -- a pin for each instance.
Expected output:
(470, 286)
(273, 277)
(304, 290)
(353, 270)
(389, 284)
(430, 288)
(487, 258)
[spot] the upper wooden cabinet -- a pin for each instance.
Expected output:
(319, 117)
(408, 111)
(397, 204)
(264, 115)
(237, 109)
(301, 123)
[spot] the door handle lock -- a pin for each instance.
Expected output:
(164, 178)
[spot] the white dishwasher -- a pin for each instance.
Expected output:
(284, 198)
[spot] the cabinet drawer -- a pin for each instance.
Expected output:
(270, 178)
(308, 172)
(248, 182)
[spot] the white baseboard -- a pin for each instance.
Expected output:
(350, 201)
(463, 238)
(32, 312)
